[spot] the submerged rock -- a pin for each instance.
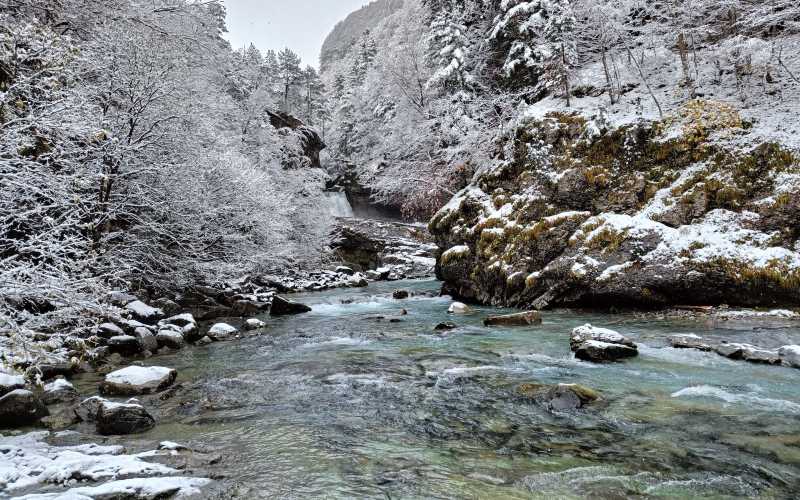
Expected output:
(459, 308)
(122, 418)
(400, 294)
(559, 397)
(21, 407)
(447, 325)
(282, 307)
(135, 380)
(254, 324)
(520, 319)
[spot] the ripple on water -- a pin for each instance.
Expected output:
(748, 398)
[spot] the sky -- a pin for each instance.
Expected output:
(301, 25)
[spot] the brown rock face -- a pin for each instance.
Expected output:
(520, 319)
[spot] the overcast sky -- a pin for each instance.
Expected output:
(301, 25)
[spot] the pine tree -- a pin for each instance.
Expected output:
(289, 73)
(448, 43)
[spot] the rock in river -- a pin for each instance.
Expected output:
(21, 407)
(138, 380)
(254, 324)
(459, 308)
(281, 307)
(400, 294)
(58, 391)
(143, 312)
(790, 355)
(590, 343)
(221, 331)
(447, 325)
(520, 319)
(123, 418)
(126, 345)
(170, 339)
(689, 341)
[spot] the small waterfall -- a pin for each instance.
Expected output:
(336, 204)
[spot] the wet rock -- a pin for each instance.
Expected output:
(49, 371)
(588, 332)
(191, 333)
(221, 331)
(123, 418)
(396, 320)
(747, 352)
(125, 345)
(559, 397)
(447, 325)
(597, 351)
(281, 307)
(9, 382)
(689, 341)
(130, 326)
(58, 391)
(249, 308)
(254, 324)
(135, 380)
(147, 341)
(520, 319)
(459, 308)
(166, 305)
(143, 312)
(205, 341)
(170, 339)
(400, 294)
(180, 320)
(108, 330)
(790, 355)
(373, 275)
(21, 407)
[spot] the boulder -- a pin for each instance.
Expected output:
(123, 418)
(10, 383)
(249, 307)
(108, 330)
(143, 312)
(147, 341)
(120, 299)
(790, 355)
(755, 354)
(221, 331)
(598, 351)
(345, 270)
(170, 339)
(588, 332)
(49, 371)
(126, 345)
(400, 294)
(254, 324)
(58, 391)
(205, 341)
(281, 307)
(135, 380)
(87, 410)
(21, 407)
(167, 305)
(459, 308)
(447, 325)
(373, 275)
(689, 341)
(520, 319)
(559, 397)
(181, 320)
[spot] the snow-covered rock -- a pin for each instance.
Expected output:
(131, 489)
(88, 408)
(21, 407)
(254, 324)
(123, 418)
(147, 341)
(58, 391)
(588, 332)
(143, 312)
(597, 351)
(221, 331)
(459, 308)
(10, 382)
(108, 330)
(138, 380)
(790, 355)
(126, 345)
(170, 339)
(180, 320)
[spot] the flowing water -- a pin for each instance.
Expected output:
(343, 403)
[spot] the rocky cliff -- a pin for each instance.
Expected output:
(691, 209)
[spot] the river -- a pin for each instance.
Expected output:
(343, 403)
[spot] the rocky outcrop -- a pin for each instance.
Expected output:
(576, 212)
(310, 141)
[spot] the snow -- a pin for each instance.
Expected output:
(598, 334)
(221, 330)
(9, 381)
(31, 462)
(134, 489)
(775, 313)
(59, 384)
(142, 310)
(139, 375)
(456, 251)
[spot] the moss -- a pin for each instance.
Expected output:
(782, 200)
(776, 273)
(608, 240)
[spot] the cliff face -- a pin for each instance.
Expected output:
(686, 210)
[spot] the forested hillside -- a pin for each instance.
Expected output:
(616, 151)
(137, 153)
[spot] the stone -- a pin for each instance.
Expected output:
(170, 339)
(400, 294)
(598, 351)
(254, 324)
(167, 305)
(755, 354)
(373, 275)
(125, 345)
(49, 371)
(447, 325)
(58, 391)
(87, 410)
(559, 397)
(205, 341)
(526, 318)
(281, 307)
(147, 341)
(135, 380)
(249, 307)
(221, 331)
(21, 407)
(9, 382)
(790, 355)
(144, 313)
(459, 308)
(587, 332)
(108, 330)
(730, 350)
(345, 270)
(123, 418)
(120, 299)
(689, 341)
(181, 320)
(191, 333)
